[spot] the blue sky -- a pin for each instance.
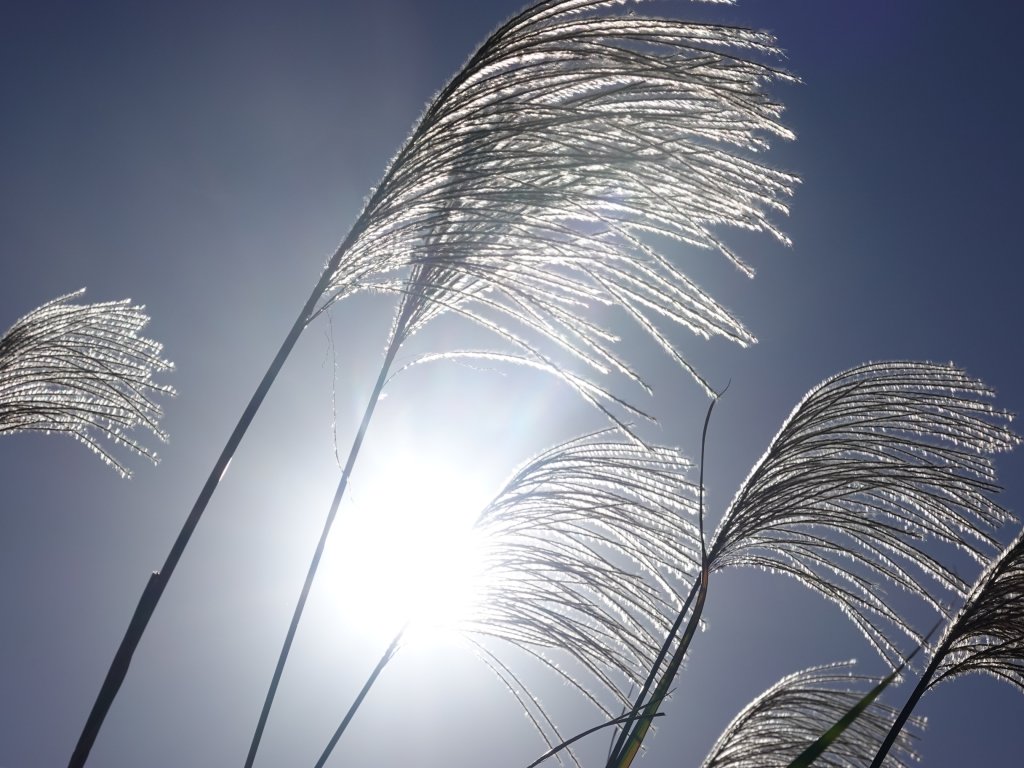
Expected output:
(206, 158)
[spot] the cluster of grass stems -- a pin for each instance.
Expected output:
(523, 202)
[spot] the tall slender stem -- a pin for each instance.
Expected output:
(391, 649)
(318, 554)
(158, 580)
(653, 674)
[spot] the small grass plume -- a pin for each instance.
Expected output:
(988, 634)
(83, 370)
(577, 547)
(780, 723)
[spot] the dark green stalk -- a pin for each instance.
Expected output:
(629, 742)
(359, 699)
(806, 758)
(625, 758)
(701, 583)
(625, 718)
(652, 675)
(318, 554)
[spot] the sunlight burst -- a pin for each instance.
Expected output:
(410, 554)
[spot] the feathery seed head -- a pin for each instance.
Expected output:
(988, 633)
(83, 369)
(581, 552)
(523, 198)
(779, 724)
(871, 465)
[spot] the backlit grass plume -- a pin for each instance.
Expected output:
(83, 370)
(986, 636)
(522, 196)
(779, 724)
(872, 465)
(579, 555)
(576, 550)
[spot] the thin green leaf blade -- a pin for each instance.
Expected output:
(814, 751)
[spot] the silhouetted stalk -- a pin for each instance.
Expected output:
(318, 554)
(158, 580)
(701, 584)
(388, 654)
(901, 719)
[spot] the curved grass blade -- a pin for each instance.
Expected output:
(623, 719)
(870, 718)
(826, 740)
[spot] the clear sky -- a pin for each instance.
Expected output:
(205, 158)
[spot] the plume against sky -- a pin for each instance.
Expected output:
(204, 159)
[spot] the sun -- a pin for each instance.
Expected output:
(405, 553)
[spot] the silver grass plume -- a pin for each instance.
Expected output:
(522, 199)
(84, 370)
(873, 464)
(778, 725)
(581, 549)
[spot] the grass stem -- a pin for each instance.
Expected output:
(618, 752)
(158, 580)
(388, 654)
(901, 719)
(314, 564)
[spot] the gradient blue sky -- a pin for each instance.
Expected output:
(204, 158)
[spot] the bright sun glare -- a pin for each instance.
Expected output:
(407, 552)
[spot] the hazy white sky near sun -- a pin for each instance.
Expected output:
(204, 158)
